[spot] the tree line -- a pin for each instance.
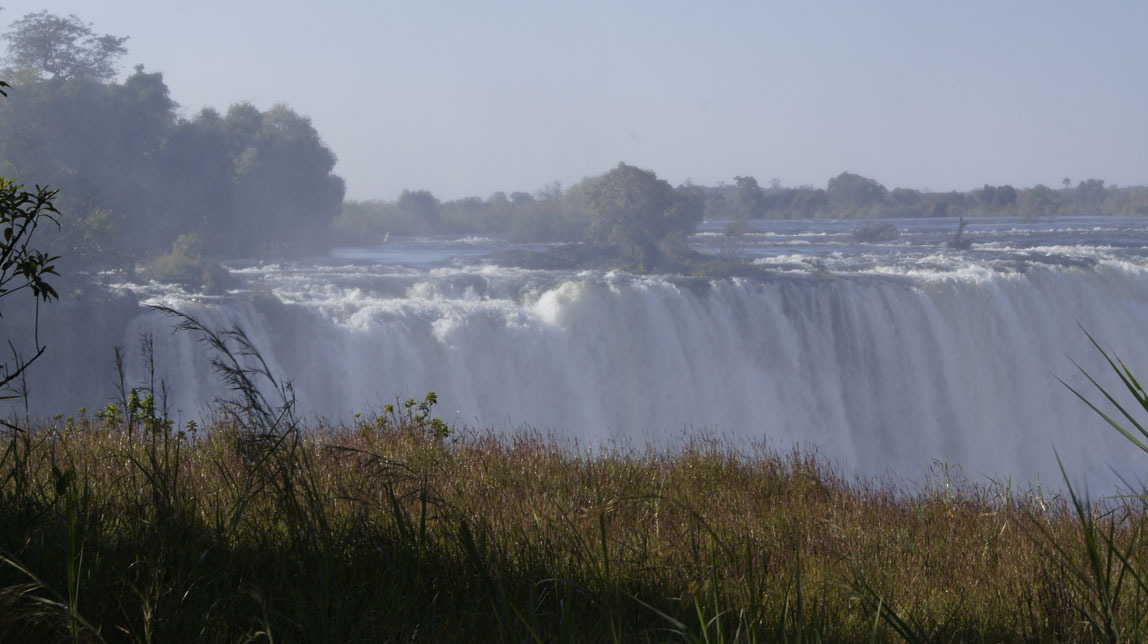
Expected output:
(853, 196)
(135, 178)
(553, 214)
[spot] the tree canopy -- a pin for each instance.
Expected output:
(135, 176)
(749, 201)
(52, 47)
(632, 208)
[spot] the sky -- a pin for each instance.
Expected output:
(469, 98)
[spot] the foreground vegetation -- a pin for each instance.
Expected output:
(118, 528)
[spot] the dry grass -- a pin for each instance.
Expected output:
(384, 532)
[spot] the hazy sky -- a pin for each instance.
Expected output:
(468, 98)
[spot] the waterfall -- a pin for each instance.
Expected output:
(884, 374)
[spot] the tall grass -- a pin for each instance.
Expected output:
(1107, 567)
(348, 533)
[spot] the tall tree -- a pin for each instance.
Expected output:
(285, 193)
(853, 192)
(52, 47)
(749, 201)
(197, 176)
(100, 144)
(423, 208)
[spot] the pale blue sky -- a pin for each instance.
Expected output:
(467, 98)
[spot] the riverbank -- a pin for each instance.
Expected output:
(120, 527)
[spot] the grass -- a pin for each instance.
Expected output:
(384, 532)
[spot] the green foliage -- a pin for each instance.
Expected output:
(62, 48)
(285, 196)
(905, 202)
(550, 216)
(22, 266)
(997, 199)
(749, 201)
(412, 416)
(854, 196)
(368, 221)
(95, 240)
(1107, 567)
(188, 264)
(252, 182)
(99, 144)
(1039, 202)
(632, 210)
(422, 207)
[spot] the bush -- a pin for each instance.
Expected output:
(872, 232)
(186, 265)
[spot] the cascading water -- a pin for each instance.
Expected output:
(883, 359)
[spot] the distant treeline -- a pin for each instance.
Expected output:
(550, 214)
(853, 196)
(556, 215)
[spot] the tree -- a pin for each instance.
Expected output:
(423, 207)
(631, 208)
(852, 194)
(995, 199)
(249, 182)
(197, 178)
(749, 201)
(1005, 197)
(1090, 194)
(1038, 201)
(807, 203)
(101, 145)
(905, 198)
(987, 196)
(62, 48)
(22, 267)
(285, 195)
